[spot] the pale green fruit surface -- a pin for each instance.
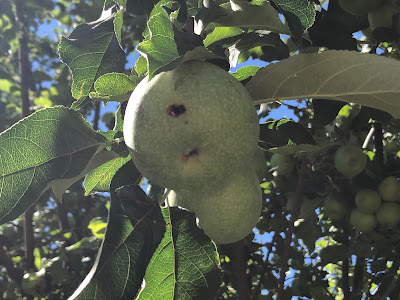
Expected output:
(389, 189)
(388, 214)
(359, 7)
(334, 207)
(368, 201)
(382, 17)
(283, 163)
(183, 198)
(350, 160)
(362, 222)
(228, 213)
(193, 124)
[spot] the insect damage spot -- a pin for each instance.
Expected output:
(191, 153)
(175, 110)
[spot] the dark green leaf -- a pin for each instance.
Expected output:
(91, 51)
(185, 264)
(325, 111)
(126, 250)
(46, 149)
(284, 132)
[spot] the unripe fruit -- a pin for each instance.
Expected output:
(359, 7)
(362, 222)
(368, 201)
(190, 126)
(229, 212)
(283, 163)
(389, 189)
(350, 160)
(334, 207)
(388, 214)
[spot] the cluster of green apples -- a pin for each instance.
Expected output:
(380, 12)
(377, 206)
(373, 207)
(194, 130)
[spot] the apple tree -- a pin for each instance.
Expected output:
(253, 152)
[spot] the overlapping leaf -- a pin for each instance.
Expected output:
(184, 266)
(254, 17)
(91, 51)
(130, 240)
(348, 76)
(303, 9)
(45, 149)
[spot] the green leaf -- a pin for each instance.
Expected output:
(134, 230)
(97, 225)
(245, 72)
(367, 79)
(91, 51)
(159, 47)
(284, 132)
(185, 264)
(51, 145)
(114, 87)
(293, 149)
(91, 243)
(325, 111)
(99, 180)
(118, 22)
(254, 17)
(221, 33)
(303, 9)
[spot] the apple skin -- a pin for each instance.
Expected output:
(283, 163)
(362, 222)
(334, 207)
(227, 213)
(389, 189)
(350, 160)
(191, 125)
(368, 201)
(359, 7)
(388, 214)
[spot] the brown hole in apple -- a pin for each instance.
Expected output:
(191, 153)
(175, 110)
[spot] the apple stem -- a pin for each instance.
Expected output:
(164, 198)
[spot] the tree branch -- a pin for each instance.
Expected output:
(358, 278)
(96, 118)
(14, 273)
(290, 230)
(240, 266)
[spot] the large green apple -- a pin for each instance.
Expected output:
(227, 213)
(389, 189)
(334, 206)
(350, 160)
(368, 201)
(362, 222)
(283, 163)
(388, 214)
(359, 7)
(191, 125)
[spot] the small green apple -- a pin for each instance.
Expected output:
(389, 189)
(359, 7)
(362, 222)
(334, 206)
(259, 164)
(228, 213)
(33, 283)
(191, 125)
(382, 17)
(368, 201)
(283, 163)
(388, 214)
(350, 160)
